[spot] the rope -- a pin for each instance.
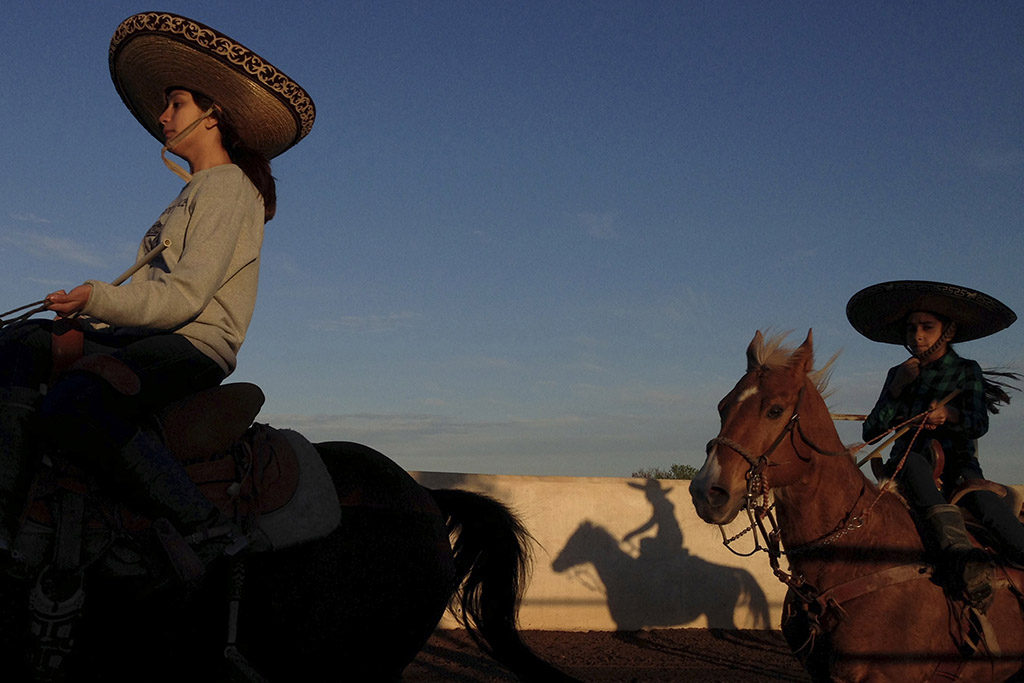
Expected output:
(756, 512)
(173, 142)
(902, 428)
(41, 305)
(242, 666)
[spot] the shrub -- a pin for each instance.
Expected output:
(674, 472)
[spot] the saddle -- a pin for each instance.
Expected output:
(1013, 498)
(272, 482)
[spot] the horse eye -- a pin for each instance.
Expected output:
(774, 412)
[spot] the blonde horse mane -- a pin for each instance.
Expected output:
(771, 351)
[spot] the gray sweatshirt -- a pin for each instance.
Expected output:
(203, 286)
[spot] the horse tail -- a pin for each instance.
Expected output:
(491, 550)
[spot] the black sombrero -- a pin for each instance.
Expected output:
(153, 51)
(878, 312)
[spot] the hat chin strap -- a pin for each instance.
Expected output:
(173, 142)
(944, 338)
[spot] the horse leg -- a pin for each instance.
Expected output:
(362, 601)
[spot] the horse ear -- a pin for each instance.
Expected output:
(756, 344)
(802, 359)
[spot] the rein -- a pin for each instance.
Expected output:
(43, 304)
(817, 602)
(759, 509)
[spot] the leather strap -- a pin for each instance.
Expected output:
(67, 343)
(869, 583)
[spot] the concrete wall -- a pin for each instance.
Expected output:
(672, 572)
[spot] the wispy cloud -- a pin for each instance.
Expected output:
(417, 428)
(489, 363)
(370, 324)
(384, 429)
(599, 226)
(51, 248)
(594, 445)
(997, 160)
(28, 218)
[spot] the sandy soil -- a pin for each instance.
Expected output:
(660, 655)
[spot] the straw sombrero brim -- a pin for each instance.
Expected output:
(153, 51)
(878, 312)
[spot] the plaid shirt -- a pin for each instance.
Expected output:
(935, 381)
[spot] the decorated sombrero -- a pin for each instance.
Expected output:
(878, 312)
(153, 51)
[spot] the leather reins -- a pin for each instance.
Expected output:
(757, 505)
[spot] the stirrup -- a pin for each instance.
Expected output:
(182, 556)
(237, 539)
(976, 579)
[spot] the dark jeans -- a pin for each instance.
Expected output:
(81, 413)
(988, 508)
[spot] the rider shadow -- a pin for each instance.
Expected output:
(663, 585)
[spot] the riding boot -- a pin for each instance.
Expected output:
(17, 451)
(149, 476)
(964, 567)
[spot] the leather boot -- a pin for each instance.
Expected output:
(150, 477)
(964, 567)
(17, 453)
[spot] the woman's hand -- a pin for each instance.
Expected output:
(906, 373)
(69, 303)
(940, 416)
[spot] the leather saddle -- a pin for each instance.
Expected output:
(249, 471)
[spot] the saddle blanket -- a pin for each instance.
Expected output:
(277, 484)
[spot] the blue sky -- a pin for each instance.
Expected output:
(536, 238)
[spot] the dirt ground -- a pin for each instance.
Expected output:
(660, 655)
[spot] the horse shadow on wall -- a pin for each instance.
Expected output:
(663, 584)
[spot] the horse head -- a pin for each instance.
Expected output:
(588, 543)
(575, 550)
(761, 443)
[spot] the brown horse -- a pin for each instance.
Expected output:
(861, 604)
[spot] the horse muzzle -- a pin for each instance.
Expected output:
(715, 503)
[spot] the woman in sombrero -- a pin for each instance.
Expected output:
(927, 318)
(177, 326)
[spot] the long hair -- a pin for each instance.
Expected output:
(997, 383)
(255, 166)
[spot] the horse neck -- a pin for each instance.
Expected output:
(833, 494)
(817, 504)
(831, 486)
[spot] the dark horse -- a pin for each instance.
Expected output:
(355, 605)
(861, 603)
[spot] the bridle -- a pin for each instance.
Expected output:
(816, 601)
(757, 505)
(755, 479)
